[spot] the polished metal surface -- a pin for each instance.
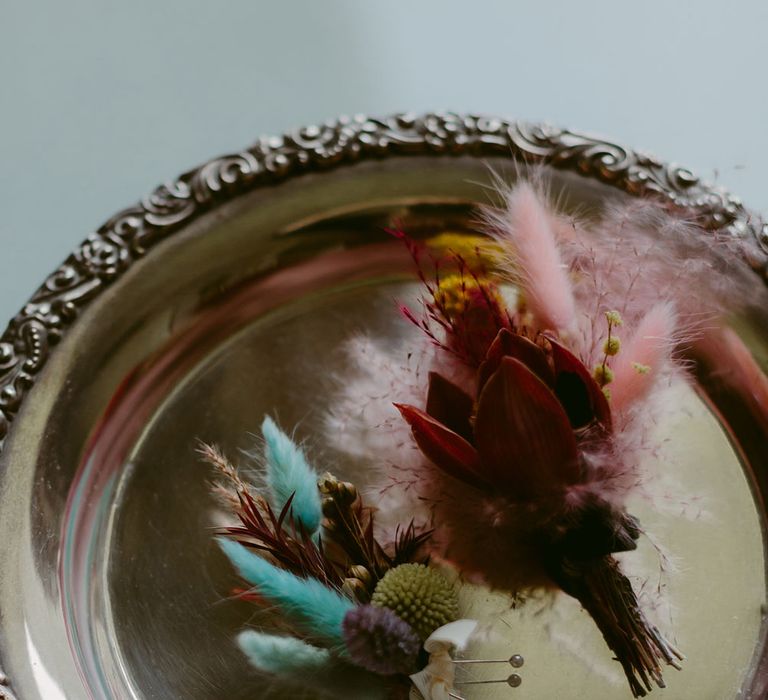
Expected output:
(221, 296)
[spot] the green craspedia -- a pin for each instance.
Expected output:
(421, 596)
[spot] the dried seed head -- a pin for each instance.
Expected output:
(360, 572)
(357, 590)
(420, 595)
(379, 641)
(334, 490)
(612, 345)
(359, 583)
(603, 375)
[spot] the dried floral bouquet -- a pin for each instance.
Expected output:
(547, 347)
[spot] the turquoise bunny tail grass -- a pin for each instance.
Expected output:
(289, 474)
(298, 663)
(310, 604)
(283, 656)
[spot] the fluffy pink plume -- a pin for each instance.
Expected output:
(643, 357)
(363, 421)
(364, 424)
(526, 229)
(638, 255)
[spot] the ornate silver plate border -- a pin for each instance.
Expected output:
(131, 233)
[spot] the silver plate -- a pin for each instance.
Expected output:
(227, 294)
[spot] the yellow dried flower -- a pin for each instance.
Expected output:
(641, 368)
(614, 318)
(454, 293)
(476, 251)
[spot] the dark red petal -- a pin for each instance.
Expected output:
(450, 405)
(523, 435)
(578, 392)
(447, 450)
(509, 344)
(477, 327)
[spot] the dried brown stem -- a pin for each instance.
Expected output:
(294, 550)
(607, 596)
(212, 455)
(349, 525)
(408, 543)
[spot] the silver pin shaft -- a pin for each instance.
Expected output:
(513, 681)
(515, 660)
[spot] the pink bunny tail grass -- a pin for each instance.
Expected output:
(644, 357)
(527, 230)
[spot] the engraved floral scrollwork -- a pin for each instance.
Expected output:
(321, 146)
(762, 236)
(226, 175)
(167, 205)
(129, 229)
(319, 143)
(105, 256)
(20, 361)
(8, 360)
(160, 213)
(634, 172)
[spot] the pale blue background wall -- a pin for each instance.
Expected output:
(100, 100)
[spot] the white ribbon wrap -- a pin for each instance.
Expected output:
(435, 680)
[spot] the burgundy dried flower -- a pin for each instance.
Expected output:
(533, 405)
(379, 641)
